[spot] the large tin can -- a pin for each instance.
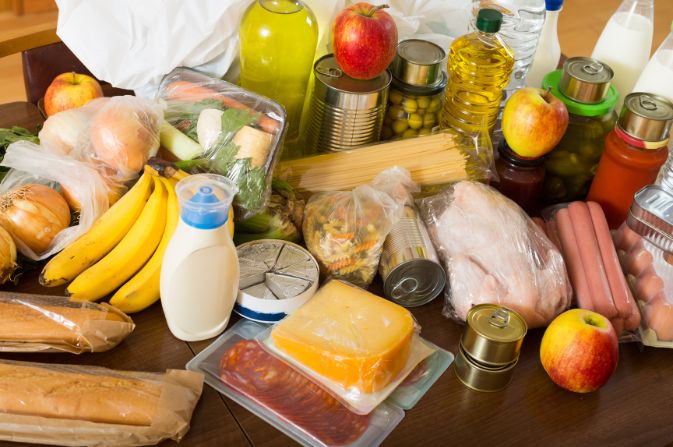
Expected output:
(412, 275)
(344, 112)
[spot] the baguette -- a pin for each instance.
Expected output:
(56, 393)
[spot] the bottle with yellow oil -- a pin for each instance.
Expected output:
(278, 42)
(479, 67)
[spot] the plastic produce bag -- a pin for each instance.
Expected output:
(84, 183)
(345, 231)
(233, 132)
(494, 253)
(649, 273)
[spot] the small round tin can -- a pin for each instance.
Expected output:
(585, 80)
(412, 275)
(481, 377)
(493, 335)
(418, 63)
(646, 116)
(344, 112)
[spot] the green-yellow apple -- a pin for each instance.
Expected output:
(579, 350)
(69, 91)
(533, 122)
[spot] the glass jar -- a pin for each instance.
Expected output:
(584, 87)
(415, 97)
(520, 179)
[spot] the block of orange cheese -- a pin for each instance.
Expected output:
(349, 336)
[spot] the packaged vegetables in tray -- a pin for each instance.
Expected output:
(494, 253)
(345, 231)
(238, 367)
(356, 345)
(215, 126)
(583, 236)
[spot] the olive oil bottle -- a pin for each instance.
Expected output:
(479, 67)
(278, 42)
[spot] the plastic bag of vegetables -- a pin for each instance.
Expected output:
(214, 126)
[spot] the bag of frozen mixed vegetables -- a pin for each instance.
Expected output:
(214, 126)
(345, 231)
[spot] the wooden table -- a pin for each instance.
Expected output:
(634, 408)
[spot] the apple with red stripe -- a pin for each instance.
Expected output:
(579, 350)
(364, 40)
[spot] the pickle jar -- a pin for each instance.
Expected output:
(584, 86)
(415, 98)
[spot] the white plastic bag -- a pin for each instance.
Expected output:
(83, 182)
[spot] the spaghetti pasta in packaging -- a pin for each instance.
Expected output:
(345, 231)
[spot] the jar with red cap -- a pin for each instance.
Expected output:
(634, 152)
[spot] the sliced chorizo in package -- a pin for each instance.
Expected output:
(584, 238)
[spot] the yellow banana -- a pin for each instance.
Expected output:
(142, 290)
(129, 255)
(103, 235)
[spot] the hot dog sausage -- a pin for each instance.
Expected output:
(591, 257)
(618, 287)
(573, 259)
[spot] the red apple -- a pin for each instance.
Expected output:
(364, 40)
(579, 350)
(70, 90)
(534, 122)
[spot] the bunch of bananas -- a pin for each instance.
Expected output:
(124, 248)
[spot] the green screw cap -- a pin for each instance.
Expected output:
(489, 20)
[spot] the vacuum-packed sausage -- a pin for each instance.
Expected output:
(573, 259)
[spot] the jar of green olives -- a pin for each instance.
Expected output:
(415, 97)
(585, 88)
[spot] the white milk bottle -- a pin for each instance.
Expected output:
(548, 51)
(657, 77)
(625, 44)
(199, 273)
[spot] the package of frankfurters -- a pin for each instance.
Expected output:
(581, 232)
(649, 272)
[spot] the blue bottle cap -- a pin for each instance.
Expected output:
(205, 200)
(553, 5)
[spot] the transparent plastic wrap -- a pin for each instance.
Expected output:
(433, 161)
(356, 345)
(229, 130)
(83, 182)
(581, 232)
(75, 405)
(34, 323)
(237, 366)
(649, 273)
(345, 231)
(494, 253)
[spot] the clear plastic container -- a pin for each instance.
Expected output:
(316, 419)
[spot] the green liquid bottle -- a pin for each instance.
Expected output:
(278, 42)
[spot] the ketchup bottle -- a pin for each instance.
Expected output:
(634, 152)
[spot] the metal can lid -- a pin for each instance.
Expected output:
(585, 80)
(496, 323)
(328, 72)
(418, 62)
(646, 116)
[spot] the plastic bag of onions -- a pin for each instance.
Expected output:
(34, 214)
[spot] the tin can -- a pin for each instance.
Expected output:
(493, 335)
(646, 116)
(481, 377)
(412, 275)
(344, 112)
(585, 80)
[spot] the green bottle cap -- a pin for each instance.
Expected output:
(489, 20)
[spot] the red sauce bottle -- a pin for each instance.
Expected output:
(634, 152)
(521, 179)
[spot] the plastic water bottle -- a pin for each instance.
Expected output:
(200, 271)
(521, 27)
(548, 51)
(625, 44)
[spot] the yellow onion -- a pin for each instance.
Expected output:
(34, 214)
(7, 256)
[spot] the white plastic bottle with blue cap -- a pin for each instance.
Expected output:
(548, 51)
(200, 271)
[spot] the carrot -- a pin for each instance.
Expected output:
(188, 91)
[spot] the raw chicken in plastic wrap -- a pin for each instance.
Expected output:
(494, 253)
